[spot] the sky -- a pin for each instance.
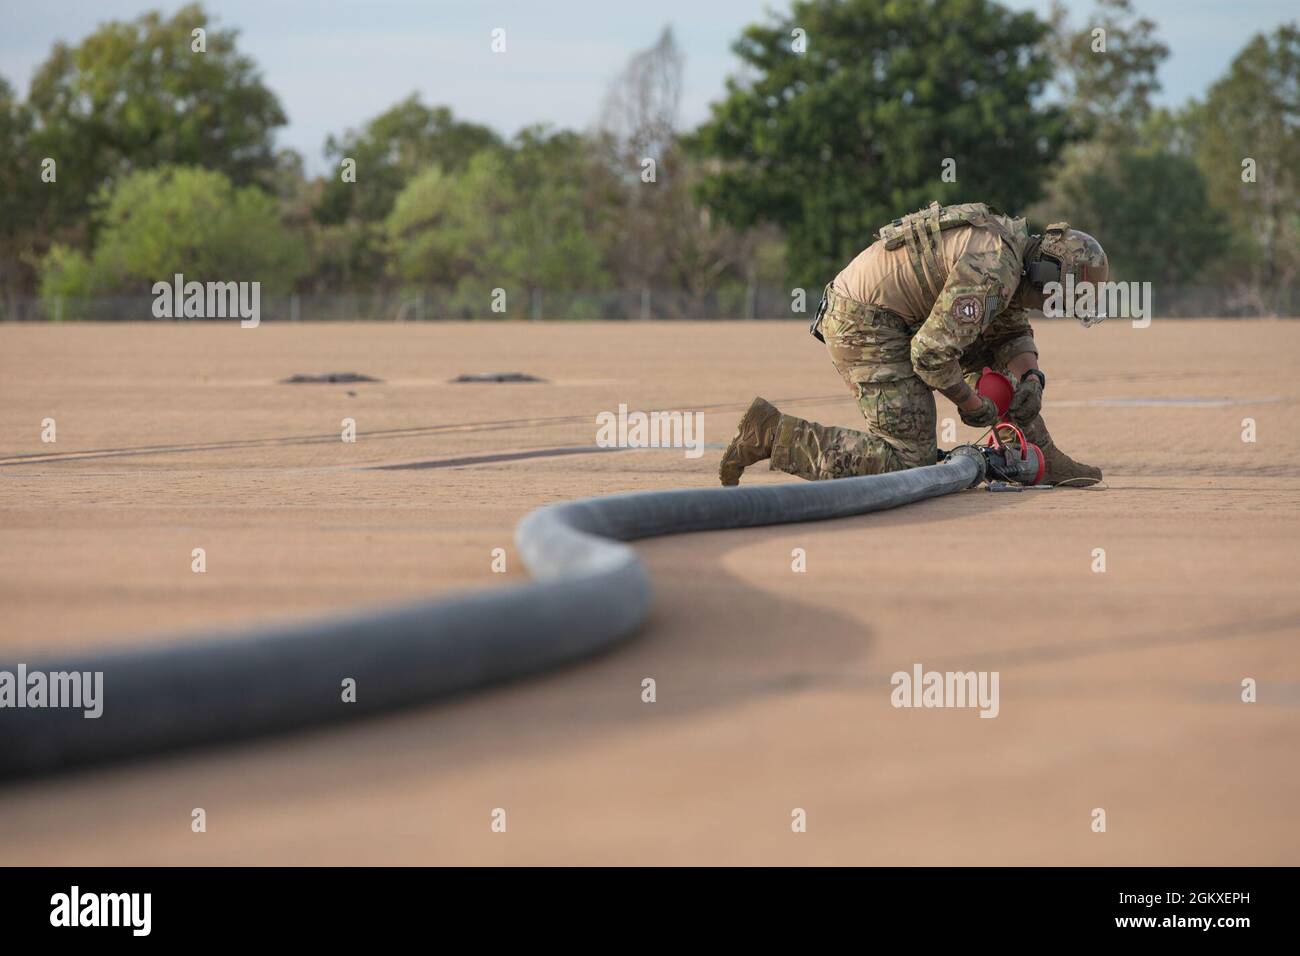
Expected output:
(336, 63)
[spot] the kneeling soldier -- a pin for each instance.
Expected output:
(941, 294)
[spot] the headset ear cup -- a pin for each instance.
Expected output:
(1042, 272)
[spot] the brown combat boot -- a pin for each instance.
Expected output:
(1060, 469)
(753, 442)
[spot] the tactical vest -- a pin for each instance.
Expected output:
(919, 231)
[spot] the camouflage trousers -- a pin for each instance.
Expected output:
(871, 349)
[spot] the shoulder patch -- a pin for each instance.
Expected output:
(967, 308)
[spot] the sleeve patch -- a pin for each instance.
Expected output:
(967, 309)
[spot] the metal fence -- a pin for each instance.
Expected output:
(732, 302)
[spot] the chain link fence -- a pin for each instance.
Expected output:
(629, 305)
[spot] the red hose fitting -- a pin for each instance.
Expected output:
(1042, 463)
(1038, 462)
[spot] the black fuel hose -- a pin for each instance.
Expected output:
(590, 592)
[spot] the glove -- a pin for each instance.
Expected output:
(986, 416)
(1027, 402)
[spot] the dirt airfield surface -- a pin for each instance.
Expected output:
(1119, 690)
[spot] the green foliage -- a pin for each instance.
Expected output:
(1150, 210)
(344, 257)
(1132, 183)
(166, 164)
(157, 223)
(541, 235)
(1108, 79)
(17, 174)
(134, 96)
(1254, 112)
(66, 274)
(832, 143)
(390, 151)
(20, 198)
(512, 219)
(405, 142)
(433, 222)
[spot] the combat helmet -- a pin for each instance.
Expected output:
(1067, 256)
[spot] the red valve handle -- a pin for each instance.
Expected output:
(996, 442)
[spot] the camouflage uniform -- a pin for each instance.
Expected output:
(942, 311)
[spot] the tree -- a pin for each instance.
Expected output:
(389, 151)
(636, 145)
(512, 219)
(832, 140)
(1107, 68)
(1151, 212)
(20, 199)
(349, 234)
(640, 113)
(435, 229)
(1253, 113)
(545, 239)
(156, 223)
(136, 95)
(1131, 182)
(656, 235)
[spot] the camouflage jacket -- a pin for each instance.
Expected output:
(951, 273)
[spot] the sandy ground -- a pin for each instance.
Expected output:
(1119, 690)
